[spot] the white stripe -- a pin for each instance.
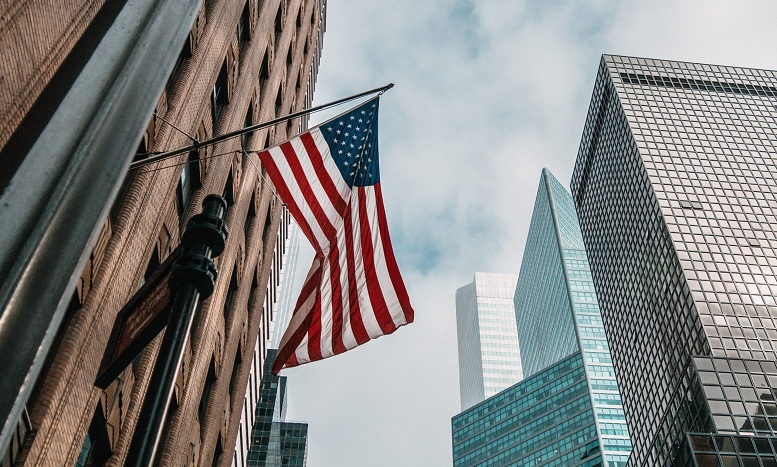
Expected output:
(365, 306)
(329, 210)
(381, 266)
(349, 341)
(326, 311)
(288, 176)
(330, 165)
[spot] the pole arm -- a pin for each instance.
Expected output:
(258, 126)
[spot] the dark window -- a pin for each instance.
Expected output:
(219, 97)
(267, 223)
(243, 28)
(229, 300)
(249, 120)
(264, 72)
(278, 103)
(250, 216)
(186, 52)
(153, 264)
(211, 378)
(229, 193)
(188, 182)
(217, 453)
(252, 293)
(96, 448)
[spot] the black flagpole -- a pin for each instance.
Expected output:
(233, 134)
(192, 279)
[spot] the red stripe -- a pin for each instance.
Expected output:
(326, 180)
(379, 307)
(314, 331)
(307, 191)
(337, 299)
(311, 287)
(391, 262)
(354, 312)
(283, 191)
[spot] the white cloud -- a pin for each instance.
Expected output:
(488, 92)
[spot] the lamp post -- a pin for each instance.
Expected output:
(192, 279)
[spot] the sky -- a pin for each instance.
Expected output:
(488, 92)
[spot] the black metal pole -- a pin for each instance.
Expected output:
(233, 134)
(193, 278)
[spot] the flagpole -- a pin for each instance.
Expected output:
(248, 129)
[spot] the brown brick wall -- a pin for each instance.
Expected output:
(35, 37)
(147, 221)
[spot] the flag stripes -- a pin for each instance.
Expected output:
(353, 291)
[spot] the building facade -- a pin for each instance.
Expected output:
(275, 442)
(675, 189)
(244, 62)
(546, 419)
(489, 358)
(557, 312)
(277, 303)
(568, 409)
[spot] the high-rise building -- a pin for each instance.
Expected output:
(277, 299)
(489, 359)
(675, 186)
(275, 442)
(567, 411)
(557, 311)
(243, 62)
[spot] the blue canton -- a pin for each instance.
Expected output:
(353, 142)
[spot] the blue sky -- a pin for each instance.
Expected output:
(487, 93)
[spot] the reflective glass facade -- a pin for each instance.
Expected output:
(558, 313)
(546, 419)
(676, 193)
(489, 359)
(274, 441)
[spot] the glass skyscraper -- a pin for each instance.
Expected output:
(567, 412)
(675, 186)
(275, 442)
(489, 360)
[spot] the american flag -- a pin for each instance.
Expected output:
(329, 179)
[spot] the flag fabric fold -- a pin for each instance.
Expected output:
(329, 179)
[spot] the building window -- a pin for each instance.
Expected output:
(267, 224)
(206, 390)
(96, 449)
(229, 300)
(250, 216)
(153, 264)
(235, 370)
(217, 453)
(249, 120)
(220, 97)
(252, 293)
(188, 182)
(264, 72)
(243, 28)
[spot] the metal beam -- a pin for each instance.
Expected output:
(53, 207)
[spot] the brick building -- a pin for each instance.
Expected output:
(244, 62)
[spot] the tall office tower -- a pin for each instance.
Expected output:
(276, 442)
(489, 359)
(278, 297)
(677, 198)
(243, 62)
(568, 410)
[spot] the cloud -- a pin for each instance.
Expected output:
(488, 93)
